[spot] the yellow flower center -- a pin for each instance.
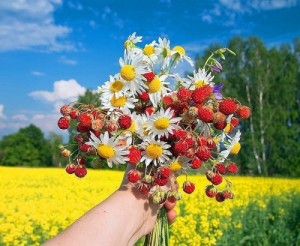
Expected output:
(118, 102)
(154, 86)
(105, 151)
(227, 128)
(116, 86)
(216, 139)
(235, 149)
(154, 151)
(162, 123)
(132, 127)
(175, 166)
(200, 83)
(180, 50)
(127, 72)
(149, 50)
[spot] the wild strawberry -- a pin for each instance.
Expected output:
(190, 142)
(203, 153)
(80, 171)
(220, 168)
(227, 106)
(161, 181)
(202, 141)
(227, 194)
(183, 94)
(65, 152)
(65, 110)
(84, 147)
(188, 187)
(199, 95)
(74, 113)
(211, 191)
(167, 101)
(173, 196)
(149, 110)
(232, 168)
(179, 134)
(205, 114)
(219, 117)
(144, 96)
(210, 143)
(111, 126)
(78, 138)
(220, 197)
(243, 112)
(209, 175)
(81, 128)
(159, 196)
(180, 148)
(149, 76)
(220, 125)
(134, 156)
(182, 107)
(164, 172)
(143, 188)
(97, 125)
(133, 176)
(196, 163)
(124, 121)
(190, 153)
(85, 119)
(63, 123)
(70, 168)
(217, 179)
(81, 160)
(234, 122)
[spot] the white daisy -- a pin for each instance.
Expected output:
(232, 146)
(114, 87)
(161, 123)
(157, 89)
(124, 103)
(162, 49)
(180, 53)
(198, 79)
(149, 53)
(132, 40)
(155, 151)
(178, 164)
(108, 149)
(132, 70)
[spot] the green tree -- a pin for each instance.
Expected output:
(27, 147)
(55, 141)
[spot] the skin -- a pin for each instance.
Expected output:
(121, 219)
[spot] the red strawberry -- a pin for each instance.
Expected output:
(227, 106)
(149, 110)
(111, 126)
(173, 196)
(234, 121)
(133, 176)
(183, 94)
(74, 113)
(217, 179)
(205, 114)
(63, 123)
(134, 156)
(220, 197)
(190, 153)
(243, 112)
(202, 141)
(164, 172)
(143, 188)
(144, 96)
(203, 153)
(167, 101)
(84, 147)
(210, 143)
(220, 125)
(179, 134)
(180, 148)
(161, 181)
(78, 138)
(149, 76)
(227, 194)
(81, 160)
(196, 163)
(232, 168)
(188, 187)
(65, 110)
(199, 95)
(81, 128)
(211, 191)
(219, 117)
(80, 171)
(70, 168)
(220, 168)
(124, 121)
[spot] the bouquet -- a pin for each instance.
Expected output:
(154, 119)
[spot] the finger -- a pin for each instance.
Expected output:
(169, 205)
(171, 215)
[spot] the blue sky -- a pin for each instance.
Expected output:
(52, 50)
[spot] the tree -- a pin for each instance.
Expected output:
(27, 147)
(55, 141)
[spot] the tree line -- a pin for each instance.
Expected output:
(265, 79)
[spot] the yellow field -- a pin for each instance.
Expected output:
(37, 203)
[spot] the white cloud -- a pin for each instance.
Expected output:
(67, 61)
(28, 24)
(109, 16)
(20, 117)
(2, 116)
(63, 90)
(37, 73)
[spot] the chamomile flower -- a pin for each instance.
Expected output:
(108, 148)
(124, 103)
(132, 40)
(178, 164)
(162, 49)
(114, 87)
(155, 151)
(180, 53)
(157, 89)
(136, 127)
(232, 147)
(149, 53)
(198, 79)
(132, 70)
(162, 123)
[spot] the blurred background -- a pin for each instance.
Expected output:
(54, 52)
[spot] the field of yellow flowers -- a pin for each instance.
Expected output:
(37, 203)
